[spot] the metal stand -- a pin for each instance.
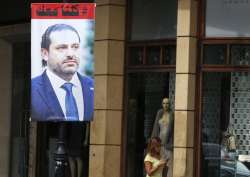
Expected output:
(60, 155)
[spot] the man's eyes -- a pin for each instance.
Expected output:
(74, 46)
(61, 47)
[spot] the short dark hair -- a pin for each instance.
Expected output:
(46, 41)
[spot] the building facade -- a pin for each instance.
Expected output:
(195, 52)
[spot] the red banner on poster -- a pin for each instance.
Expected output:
(63, 11)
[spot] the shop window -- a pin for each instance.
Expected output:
(169, 55)
(214, 54)
(225, 146)
(226, 55)
(227, 18)
(226, 124)
(153, 55)
(153, 19)
(158, 55)
(240, 55)
(145, 93)
(136, 56)
(150, 77)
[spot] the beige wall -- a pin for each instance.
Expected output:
(106, 129)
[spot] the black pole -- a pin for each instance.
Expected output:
(60, 155)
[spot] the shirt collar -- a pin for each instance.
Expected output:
(75, 80)
(57, 82)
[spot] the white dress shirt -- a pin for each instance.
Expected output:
(57, 83)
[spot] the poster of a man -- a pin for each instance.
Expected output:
(62, 85)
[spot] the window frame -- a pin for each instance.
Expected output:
(202, 68)
(128, 69)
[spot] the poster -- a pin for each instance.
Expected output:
(62, 62)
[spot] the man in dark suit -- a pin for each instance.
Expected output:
(60, 93)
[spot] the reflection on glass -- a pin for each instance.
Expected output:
(136, 56)
(169, 55)
(145, 93)
(153, 55)
(227, 18)
(153, 19)
(214, 54)
(240, 55)
(225, 124)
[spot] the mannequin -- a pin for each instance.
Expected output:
(164, 129)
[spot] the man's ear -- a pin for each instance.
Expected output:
(45, 54)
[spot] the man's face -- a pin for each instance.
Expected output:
(64, 52)
(165, 104)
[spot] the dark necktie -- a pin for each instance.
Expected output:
(70, 103)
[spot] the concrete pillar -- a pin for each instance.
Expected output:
(185, 88)
(106, 130)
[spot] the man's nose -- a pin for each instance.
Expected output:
(70, 52)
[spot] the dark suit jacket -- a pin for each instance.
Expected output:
(45, 105)
(170, 129)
